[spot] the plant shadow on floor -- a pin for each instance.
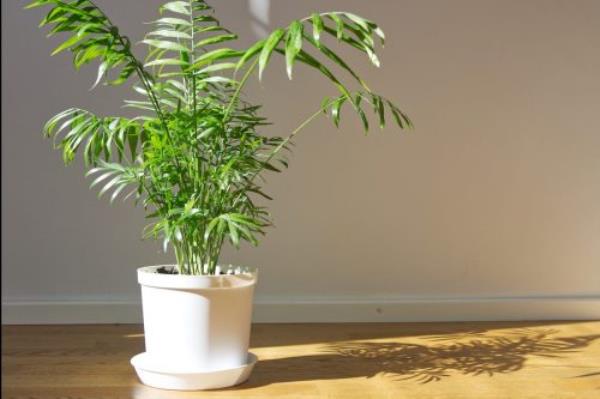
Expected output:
(441, 357)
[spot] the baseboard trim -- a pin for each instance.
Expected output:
(325, 310)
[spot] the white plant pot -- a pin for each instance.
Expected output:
(196, 329)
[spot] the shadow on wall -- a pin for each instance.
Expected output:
(259, 17)
(419, 362)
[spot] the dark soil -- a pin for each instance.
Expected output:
(173, 270)
(167, 270)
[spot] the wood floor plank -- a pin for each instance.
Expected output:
(548, 360)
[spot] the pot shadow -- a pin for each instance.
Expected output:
(440, 358)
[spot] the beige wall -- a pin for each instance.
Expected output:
(495, 194)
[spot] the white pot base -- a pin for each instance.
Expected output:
(159, 376)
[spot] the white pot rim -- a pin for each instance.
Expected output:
(241, 277)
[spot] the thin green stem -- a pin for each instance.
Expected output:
(281, 145)
(238, 91)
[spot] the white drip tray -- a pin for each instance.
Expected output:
(152, 374)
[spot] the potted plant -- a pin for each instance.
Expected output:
(193, 158)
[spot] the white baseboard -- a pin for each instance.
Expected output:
(325, 310)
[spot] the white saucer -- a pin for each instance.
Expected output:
(153, 376)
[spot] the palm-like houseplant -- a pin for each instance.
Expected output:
(194, 156)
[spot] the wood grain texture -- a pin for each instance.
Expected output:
(405, 360)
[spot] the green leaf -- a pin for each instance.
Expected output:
(219, 79)
(144, 105)
(381, 35)
(259, 192)
(68, 43)
(215, 55)
(102, 68)
(317, 24)
(335, 110)
(215, 40)
(170, 33)
(180, 7)
(172, 21)
(210, 227)
(373, 57)
(233, 234)
(378, 103)
(91, 27)
(250, 52)
(38, 3)
(293, 45)
(165, 62)
(101, 177)
(165, 44)
(125, 73)
(365, 45)
(338, 60)
(87, 55)
(272, 42)
(363, 117)
(132, 140)
(51, 124)
(401, 119)
(339, 25)
(109, 185)
(307, 59)
(360, 21)
(116, 193)
(217, 67)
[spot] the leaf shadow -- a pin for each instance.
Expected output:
(436, 359)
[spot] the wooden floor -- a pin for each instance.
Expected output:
(411, 360)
